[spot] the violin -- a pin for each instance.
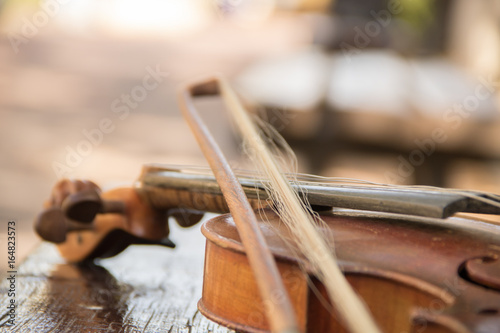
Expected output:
(439, 270)
(81, 218)
(417, 267)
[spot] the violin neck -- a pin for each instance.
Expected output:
(171, 188)
(167, 189)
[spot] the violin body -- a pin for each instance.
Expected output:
(415, 274)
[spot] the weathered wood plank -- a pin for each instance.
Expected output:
(144, 289)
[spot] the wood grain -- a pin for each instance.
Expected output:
(144, 289)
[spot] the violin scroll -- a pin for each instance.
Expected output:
(87, 223)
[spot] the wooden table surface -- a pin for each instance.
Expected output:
(144, 289)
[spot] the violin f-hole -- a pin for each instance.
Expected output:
(483, 271)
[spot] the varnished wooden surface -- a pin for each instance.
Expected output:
(144, 289)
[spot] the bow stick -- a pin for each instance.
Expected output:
(261, 260)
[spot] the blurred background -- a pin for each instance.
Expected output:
(401, 91)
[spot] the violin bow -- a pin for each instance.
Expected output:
(282, 319)
(353, 312)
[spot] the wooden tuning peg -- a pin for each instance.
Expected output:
(52, 225)
(83, 206)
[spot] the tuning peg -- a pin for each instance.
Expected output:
(77, 212)
(185, 217)
(83, 206)
(52, 225)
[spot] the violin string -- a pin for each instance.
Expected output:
(296, 215)
(303, 178)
